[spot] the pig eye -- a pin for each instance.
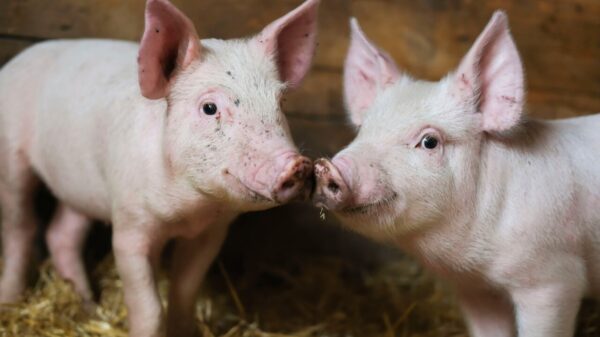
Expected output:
(210, 108)
(429, 142)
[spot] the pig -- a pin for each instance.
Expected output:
(505, 208)
(173, 146)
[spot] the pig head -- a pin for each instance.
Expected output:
(414, 158)
(452, 173)
(226, 133)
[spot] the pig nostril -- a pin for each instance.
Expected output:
(288, 184)
(303, 171)
(333, 187)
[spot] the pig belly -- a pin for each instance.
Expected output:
(70, 171)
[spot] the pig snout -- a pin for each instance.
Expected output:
(331, 191)
(294, 180)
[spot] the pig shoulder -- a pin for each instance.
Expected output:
(545, 187)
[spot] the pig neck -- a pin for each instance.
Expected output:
(461, 244)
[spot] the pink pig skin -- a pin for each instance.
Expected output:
(506, 209)
(173, 147)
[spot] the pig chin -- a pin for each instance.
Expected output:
(376, 207)
(381, 211)
(378, 219)
(246, 198)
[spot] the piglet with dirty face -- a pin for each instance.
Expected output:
(504, 208)
(173, 147)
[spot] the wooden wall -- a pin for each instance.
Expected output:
(559, 42)
(558, 39)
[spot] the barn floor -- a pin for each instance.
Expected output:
(308, 298)
(277, 276)
(303, 298)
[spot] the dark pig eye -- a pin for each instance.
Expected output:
(210, 108)
(429, 142)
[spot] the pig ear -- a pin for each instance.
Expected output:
(292, 40)
(367, 71)
(492, 74)
(170, 43)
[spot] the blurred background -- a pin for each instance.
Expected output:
(559, 42)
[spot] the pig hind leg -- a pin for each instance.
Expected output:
(17, 189)
(66, 238)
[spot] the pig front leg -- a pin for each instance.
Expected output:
(191, 260)
(487, 314)
(137, 250)
(549, 308)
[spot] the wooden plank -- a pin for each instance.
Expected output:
(544, 104)
(320, 96)
(72, 18)
(428, 37)
(558, 40)
(124, 19)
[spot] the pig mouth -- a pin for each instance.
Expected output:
(254, 195)
(370, 207)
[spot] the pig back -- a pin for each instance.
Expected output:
(72, 106)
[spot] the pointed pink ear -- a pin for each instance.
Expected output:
(367, 71)
(170, 43)
(292, 40)
(492, 74)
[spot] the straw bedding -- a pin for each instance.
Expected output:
(303, 297)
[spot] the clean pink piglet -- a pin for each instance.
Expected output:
(505, 208)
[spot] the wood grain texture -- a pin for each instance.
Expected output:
(558, 40)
